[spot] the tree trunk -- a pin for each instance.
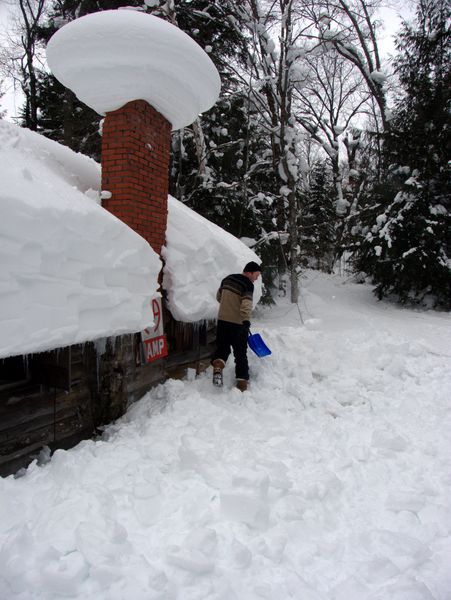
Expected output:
(201, 149)
(293, 231)
(68, 119)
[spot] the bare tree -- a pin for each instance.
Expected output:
(274, 29)
(329, 96)
(350, 27)
(31, 13)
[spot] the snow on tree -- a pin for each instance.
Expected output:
(270, 78)
(317, 231)
(350, 27)
(2, 93)
(407, 247)
(328, 99)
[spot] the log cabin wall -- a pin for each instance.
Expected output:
(56, 399)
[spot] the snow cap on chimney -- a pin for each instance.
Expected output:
(112, 57)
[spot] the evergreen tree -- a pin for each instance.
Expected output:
(61, 116)
(317, 233)
(407, 249)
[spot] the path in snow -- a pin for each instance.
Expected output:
(329, 480)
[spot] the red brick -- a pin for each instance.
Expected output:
(137, 176)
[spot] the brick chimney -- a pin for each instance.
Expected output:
(135, 168)
(134, 81)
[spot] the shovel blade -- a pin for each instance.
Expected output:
(257, 345)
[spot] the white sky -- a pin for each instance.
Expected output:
(390, 15)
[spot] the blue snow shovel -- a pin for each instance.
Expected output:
(257, 345)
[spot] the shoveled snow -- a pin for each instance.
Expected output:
(328, 480)
(198, 254)
(112, 57)
(69, 270)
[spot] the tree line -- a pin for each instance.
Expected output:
(317, 154)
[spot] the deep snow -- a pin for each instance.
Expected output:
(112, 57)
(71, 272)
(328, 480)
(196, 255)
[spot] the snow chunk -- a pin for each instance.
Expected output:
(63, 575)
(69, 270)
(112, 57)
(405, 500)
(324, 18)
(332, 34)
(412, 181)
(192, 561)
(378, 77)
(438, 209)
(197, 255)
(387, 441)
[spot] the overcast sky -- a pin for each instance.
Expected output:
(12, 99)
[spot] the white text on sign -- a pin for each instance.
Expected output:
(155, 348)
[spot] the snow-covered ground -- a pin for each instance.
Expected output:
(329, 480)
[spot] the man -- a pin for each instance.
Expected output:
(235, 309)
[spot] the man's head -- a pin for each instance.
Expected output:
(252, 271)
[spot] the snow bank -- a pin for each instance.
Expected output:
(112, 57)
(197, 255)
(69, 270)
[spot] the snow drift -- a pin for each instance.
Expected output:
(69, 270)
(197, 255)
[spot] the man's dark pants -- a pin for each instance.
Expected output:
(232, 335)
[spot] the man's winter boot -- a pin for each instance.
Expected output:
(218, 367)
(241, 384)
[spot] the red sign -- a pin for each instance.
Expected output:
(154, 341)
(155, 348)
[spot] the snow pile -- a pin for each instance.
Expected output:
(112, 57)
(69, 270)
(198, 254)
(329, 480)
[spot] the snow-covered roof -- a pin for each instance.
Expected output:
(197, 255)
(69, 270)
(112, 57)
